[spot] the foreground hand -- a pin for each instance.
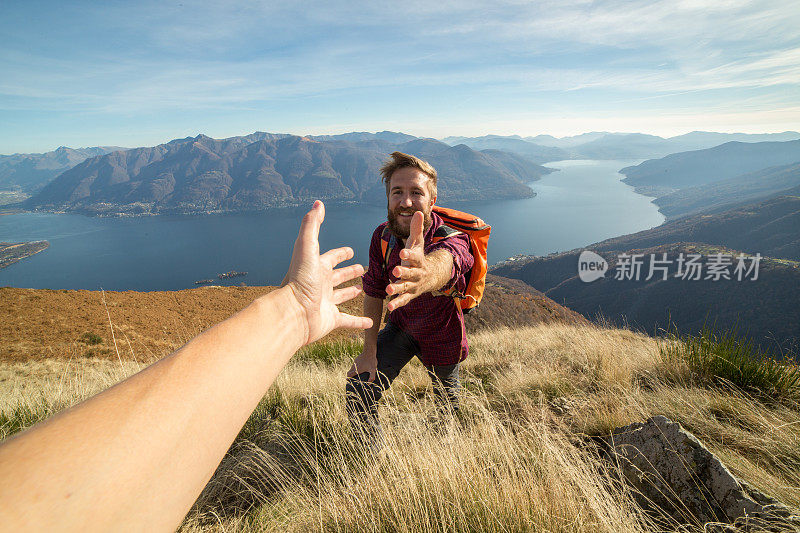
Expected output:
(414, 272)
(312, 277)
(366, 361)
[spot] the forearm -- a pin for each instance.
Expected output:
(195, 400)
(440, 269)
(373, 308)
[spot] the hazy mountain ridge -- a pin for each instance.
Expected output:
(608, 145)
(29, 172)
(531, 151)
(728, 193)
(698, 167)
(261, 170)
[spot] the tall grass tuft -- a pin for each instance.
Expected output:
(726, 359)
(22, 416)
(330, 353)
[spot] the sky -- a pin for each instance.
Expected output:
(141, 73)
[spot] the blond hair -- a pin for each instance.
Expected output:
(400, 160)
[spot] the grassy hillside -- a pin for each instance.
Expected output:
(519, 456)
(40, 324)
(765, 309)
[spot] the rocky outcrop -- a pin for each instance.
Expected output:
(672, 473)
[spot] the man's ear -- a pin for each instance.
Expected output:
(433, 201)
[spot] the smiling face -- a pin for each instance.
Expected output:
(409, 191)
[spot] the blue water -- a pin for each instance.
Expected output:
(582, 203)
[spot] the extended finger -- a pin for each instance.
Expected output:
(412, 257)
(342, 295)
(331, 258)
(400, 301)
(340, 275)
(307, 242)
(349, 321)
(397, 287)
(309, 228)
(415, 230)
(406, 273)
(352, 372)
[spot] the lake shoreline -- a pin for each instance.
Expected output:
(583, 202)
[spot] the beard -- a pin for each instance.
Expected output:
(399, 230)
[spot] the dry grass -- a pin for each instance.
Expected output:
(515, 459)
(40, 324)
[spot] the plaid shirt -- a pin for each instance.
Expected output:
(435, 322)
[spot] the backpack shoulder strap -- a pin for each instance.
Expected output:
(443, 232)
(388, 242)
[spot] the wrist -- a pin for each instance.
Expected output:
(439, 269)
(370, 350)
(284, 303)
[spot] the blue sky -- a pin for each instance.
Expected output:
(138, 73)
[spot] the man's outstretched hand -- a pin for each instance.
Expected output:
(418, 273)
(312, 278)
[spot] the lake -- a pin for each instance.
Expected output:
(582, 203)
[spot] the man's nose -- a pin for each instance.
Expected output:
(406, 201)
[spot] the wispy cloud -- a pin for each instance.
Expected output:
(150, 57)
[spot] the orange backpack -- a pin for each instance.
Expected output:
(478, 231)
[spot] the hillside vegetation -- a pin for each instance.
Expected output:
(518, 457)
(764, 309)
(41, 324)
(724, 194)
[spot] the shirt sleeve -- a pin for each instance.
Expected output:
(458, 246)
(375, 280)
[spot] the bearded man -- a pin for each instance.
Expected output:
(422, 258)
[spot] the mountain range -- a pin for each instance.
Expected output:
(727, 193)
(606, 145)
(699, 167)
(261, 170)
(30, 172)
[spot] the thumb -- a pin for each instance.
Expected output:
(415, 231)
(371, 376)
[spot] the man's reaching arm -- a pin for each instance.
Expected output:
(418, 273)
(367, 361)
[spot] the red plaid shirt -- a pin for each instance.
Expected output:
(435, 322)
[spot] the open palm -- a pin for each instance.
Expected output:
(312, 278)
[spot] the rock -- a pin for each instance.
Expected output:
(674, 474)
(562, 406)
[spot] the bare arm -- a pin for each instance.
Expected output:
(373, 309)
(136, 456)
(418, 273)
(367, 361)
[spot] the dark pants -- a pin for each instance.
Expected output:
(395, 349)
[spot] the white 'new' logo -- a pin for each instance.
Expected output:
(591, 266)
